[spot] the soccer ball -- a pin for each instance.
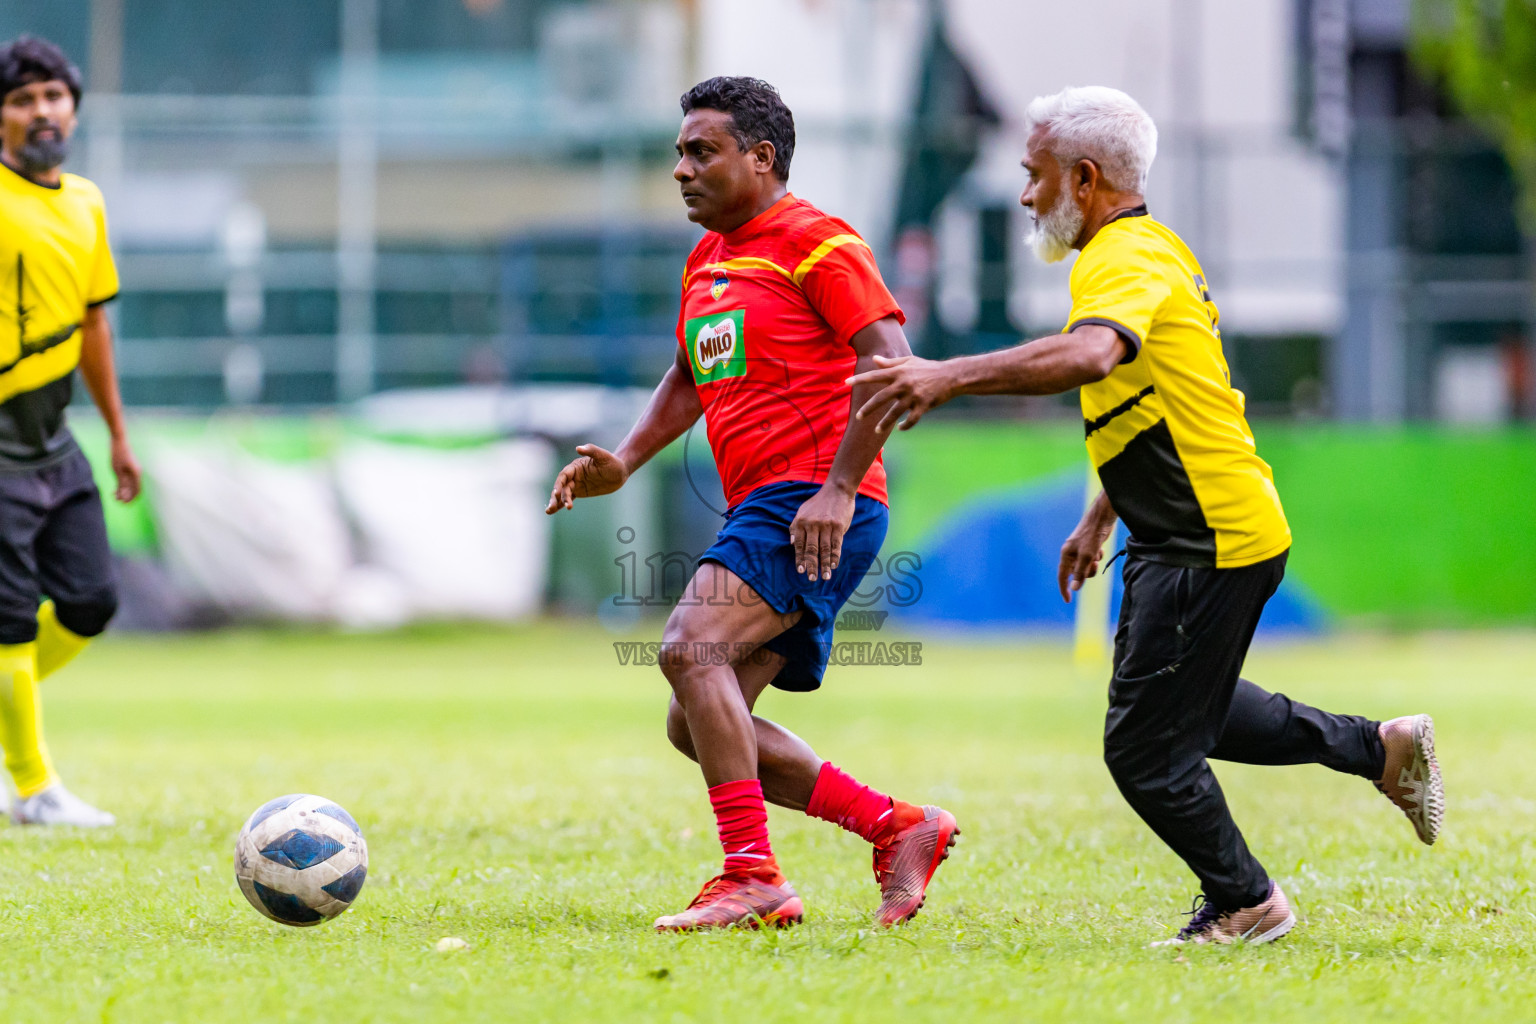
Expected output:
(300, 859)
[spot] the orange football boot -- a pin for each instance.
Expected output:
(734, 900)
(904, 864)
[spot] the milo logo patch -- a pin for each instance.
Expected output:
(717, 345)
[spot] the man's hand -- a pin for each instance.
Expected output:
(818, 529)
(126, 468)
(598, 471)
(908, 385)
(1081, 553)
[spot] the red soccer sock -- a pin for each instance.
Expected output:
(843, 800)
(743, 823)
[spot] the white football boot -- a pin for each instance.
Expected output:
(58, 806)
(1411, 774)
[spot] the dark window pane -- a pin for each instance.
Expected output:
(267, 47)
(171, 314)
(67, 25)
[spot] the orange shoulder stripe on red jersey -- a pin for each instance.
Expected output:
(820, 253)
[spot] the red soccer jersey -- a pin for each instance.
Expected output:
(767, 317)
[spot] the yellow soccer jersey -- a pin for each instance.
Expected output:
(1166, 429)
(54, 263)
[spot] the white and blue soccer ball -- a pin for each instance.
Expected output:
(301, 859)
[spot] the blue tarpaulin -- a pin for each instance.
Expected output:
(992, 564)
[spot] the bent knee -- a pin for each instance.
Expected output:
(1156, 769)
(87, 617)
(683, 660)
(17, 626)
(1134, 765)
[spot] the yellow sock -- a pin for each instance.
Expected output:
(56, 644)
(21, 720)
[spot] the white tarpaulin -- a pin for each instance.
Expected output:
(381, 535)
(253, 538)
(463, 531)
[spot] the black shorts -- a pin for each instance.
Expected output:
(53, 543)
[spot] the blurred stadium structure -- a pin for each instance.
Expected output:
(316, 202)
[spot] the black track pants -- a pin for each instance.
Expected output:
(1176, 699)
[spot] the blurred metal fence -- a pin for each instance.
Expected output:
(231, 224)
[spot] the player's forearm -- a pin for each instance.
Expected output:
(673, 408)
(1101, 511)
(1047, 366)
(99, 370)
(861, 441)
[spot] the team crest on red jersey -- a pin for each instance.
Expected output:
(721, 284)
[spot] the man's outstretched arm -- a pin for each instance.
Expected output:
(1047, 366)
(673, 408)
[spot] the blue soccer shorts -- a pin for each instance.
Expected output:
(754, 544)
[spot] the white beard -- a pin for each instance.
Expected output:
(1057, 228)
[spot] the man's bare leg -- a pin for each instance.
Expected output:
(786, 764)
(701, 647)
(910, 841)
(706, 686)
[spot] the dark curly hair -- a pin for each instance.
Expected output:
(28, 59)
(757, 113)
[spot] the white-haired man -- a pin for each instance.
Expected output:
(1208, 538)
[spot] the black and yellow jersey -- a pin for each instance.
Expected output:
(54, 263)
(1166, 429)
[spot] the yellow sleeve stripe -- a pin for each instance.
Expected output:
(820, 252)
(746, 263)
(805, 267)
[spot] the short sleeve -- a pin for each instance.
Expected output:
(695, 258)
(1118, 287)
(842, 282)
(103, 284)
(682, 306)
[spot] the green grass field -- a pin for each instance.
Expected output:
(517, 792)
